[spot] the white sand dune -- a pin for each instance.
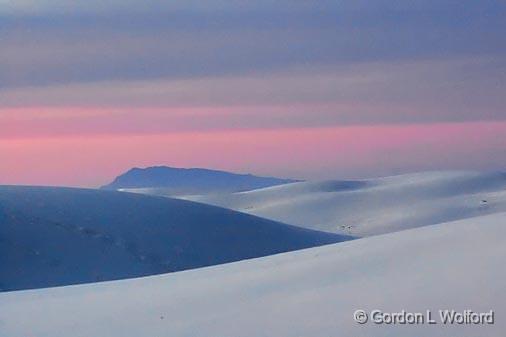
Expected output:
(374, 206)
(311, 292)
(60, 236)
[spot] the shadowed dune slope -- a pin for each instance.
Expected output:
(61, 236)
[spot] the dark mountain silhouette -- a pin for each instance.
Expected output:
(169, 180)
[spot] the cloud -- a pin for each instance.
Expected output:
(238, 77)
(363, 94)
(55, 42)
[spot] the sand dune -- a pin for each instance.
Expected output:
(61, 236)
(374, 206)
(311, 292)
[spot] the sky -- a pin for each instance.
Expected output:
(301, 89)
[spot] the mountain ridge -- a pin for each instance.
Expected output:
(174, 180)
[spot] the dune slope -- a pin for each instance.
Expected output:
(60, 236)
(374, 206)
(311, 292)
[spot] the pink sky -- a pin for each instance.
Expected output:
(308, 153)
(310, 90)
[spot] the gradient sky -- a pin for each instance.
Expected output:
(302, 89)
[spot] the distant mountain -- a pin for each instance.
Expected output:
(61, 236)
(163, 180)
